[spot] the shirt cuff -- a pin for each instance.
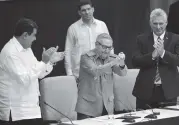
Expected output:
(41, 65)
(69, 72)
(53, 64)
(163, 54)
(49, 67)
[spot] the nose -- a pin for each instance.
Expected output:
(158, 26)
(87, 11)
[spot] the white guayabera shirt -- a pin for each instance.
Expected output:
(19, 86)
(80, 39)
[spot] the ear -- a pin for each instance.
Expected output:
(25, 35)
(166, 23)
(79, 12)
(150, 23)
(96, 44)
(93, 9)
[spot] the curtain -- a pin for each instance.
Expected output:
(164, 4)
(125, 20)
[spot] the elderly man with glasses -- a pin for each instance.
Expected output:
(96, 78)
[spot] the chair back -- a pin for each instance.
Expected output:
(59, 92)
(123, 98)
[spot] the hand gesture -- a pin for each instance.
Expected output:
(155, 54)
(122, 57)
(159, 47)
(119, 60)
(57, 56)
(47, 54)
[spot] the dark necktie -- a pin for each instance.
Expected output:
(157, 76)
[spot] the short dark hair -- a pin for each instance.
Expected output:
(84, 2)
(25, 25)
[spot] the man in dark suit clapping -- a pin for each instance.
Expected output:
(157, 58)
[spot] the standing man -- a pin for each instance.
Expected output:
(81, 37)
(157, 58)
(19, 73)
(96, 79)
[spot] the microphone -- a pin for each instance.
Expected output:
(153, 115)
(164, 104)
(128, 117)
(59, 113)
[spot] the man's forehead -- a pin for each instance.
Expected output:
(86, 6)
(159, 19)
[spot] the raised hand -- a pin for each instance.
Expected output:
(160, 47)
(155, 54)
(119, 60)
(122, 57)
(57, 56)
(47, 54)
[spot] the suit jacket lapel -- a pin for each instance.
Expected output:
(166, 40)
(150, 42)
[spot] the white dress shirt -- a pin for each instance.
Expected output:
(80, 39)
(19, 87)
(155, 42)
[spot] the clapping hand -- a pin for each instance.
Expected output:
(47, 54)
(155, 54)
(160, 47)
(57, 56)
(119, 60)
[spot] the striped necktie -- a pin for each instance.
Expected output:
(157, 76)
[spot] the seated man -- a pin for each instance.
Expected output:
(96, 79)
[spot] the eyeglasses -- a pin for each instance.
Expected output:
(105, 47)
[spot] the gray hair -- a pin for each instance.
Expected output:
(102, 36)
(158, 12)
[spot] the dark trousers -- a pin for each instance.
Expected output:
(81, 116)
(155, 100)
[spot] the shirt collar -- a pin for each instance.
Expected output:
(17, 44)
(82, 23)
(93, 53)
(156, 37)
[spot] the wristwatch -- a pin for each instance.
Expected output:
(122, 67)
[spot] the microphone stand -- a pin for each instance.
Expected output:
(59, 113)
(153, 115)
(128, 117)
